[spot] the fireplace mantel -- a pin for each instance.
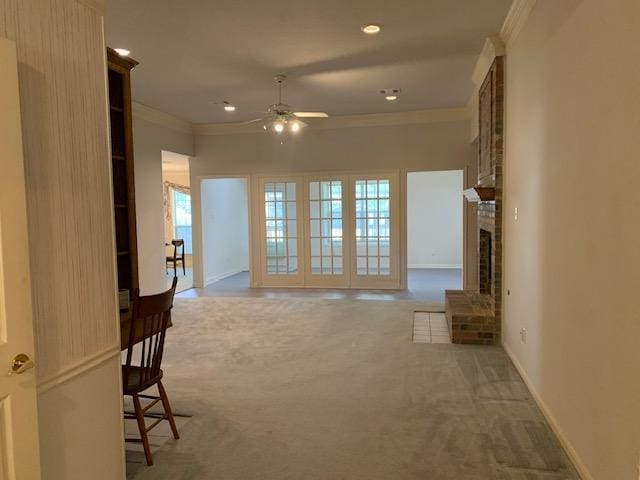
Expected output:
(480, 194)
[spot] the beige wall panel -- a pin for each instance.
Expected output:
(572, 259)
(63, 101)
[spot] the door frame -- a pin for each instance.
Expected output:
(19, 434)
(198, 232)
(465, 219)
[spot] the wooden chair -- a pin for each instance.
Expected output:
(176, 258)
(149, 321)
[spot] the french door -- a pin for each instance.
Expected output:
(281, 245)
(329, 230)
(375, 246)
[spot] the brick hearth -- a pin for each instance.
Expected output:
(470, 316)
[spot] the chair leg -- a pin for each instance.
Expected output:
(143, 429)
(184, 270)
(175, 267)
(167, 410)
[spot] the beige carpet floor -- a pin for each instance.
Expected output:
(319, 389)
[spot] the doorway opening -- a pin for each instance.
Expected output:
(225, 233)
(177, 220)
(434, 232)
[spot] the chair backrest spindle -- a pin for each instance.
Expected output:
(149, 322)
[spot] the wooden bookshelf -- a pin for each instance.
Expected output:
(119, 71)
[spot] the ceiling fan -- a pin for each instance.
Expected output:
(280, 117)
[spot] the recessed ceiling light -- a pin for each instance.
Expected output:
(123, 52)
(391, 98)
(228, 107)
(371, 29)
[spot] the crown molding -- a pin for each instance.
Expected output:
(516, 19)
(162, 119)
(97, 5)
(493, 47)
(440, 115)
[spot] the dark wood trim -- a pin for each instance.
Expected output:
(121, 112)
(480, 194)
(113, 58)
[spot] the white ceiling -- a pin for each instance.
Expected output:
(195, 52)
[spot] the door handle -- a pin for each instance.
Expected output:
(21, 363)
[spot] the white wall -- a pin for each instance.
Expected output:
(572, 259)
(149, 140)
(225, 227)
(426, 146)
(434, 219)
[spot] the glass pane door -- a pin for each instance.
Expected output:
(325, 200)
(376, 232)
(281, 232)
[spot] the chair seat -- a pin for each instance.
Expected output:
(133, 384)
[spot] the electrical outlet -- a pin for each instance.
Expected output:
(523, 335)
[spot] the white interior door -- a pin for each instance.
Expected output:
(19, 452)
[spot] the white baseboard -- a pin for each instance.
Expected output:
(217, 278)
(434, 265)
(555, 426)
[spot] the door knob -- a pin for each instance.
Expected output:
(21, 363)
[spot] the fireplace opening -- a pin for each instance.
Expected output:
(485, 270)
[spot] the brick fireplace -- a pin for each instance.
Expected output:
(474, 316)
(484, 259)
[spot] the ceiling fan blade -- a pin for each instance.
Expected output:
(253, 121)
(311, 114)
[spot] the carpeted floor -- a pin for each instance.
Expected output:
(185, 280)
(307, 389)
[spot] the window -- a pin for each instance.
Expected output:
(182, 218)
